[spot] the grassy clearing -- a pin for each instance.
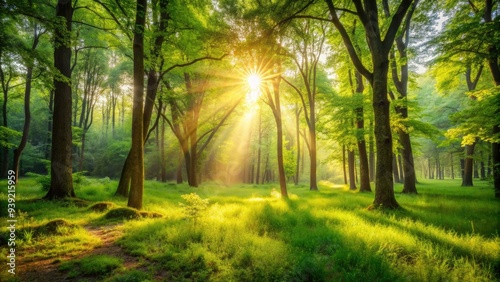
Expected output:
(446, 233)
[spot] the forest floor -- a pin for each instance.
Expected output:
(246, 233)
(47, 269)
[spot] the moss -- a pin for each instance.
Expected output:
(54, 227)
(77, 202)
(123, 213)
(102, 206)
(151, 214)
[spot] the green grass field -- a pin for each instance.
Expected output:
(247, 233)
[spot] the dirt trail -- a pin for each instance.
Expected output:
(47, 269)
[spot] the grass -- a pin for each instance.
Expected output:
(445, 233)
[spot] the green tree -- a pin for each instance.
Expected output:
(379, 36)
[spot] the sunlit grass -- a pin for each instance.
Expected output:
(445, 233)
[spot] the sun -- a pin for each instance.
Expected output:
(254, 81)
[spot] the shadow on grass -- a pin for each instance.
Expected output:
(272, 240)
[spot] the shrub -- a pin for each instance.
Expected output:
(194, 206)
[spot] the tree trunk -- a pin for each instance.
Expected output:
(27, 120)
(352, 168)
(163, 165)
(179, 179)
(452, 166)
(344, 164)
(384, 185)
(4, 166)
(137, 150)
(372, 152)
(61, 180)
(468, 165)
(360, 125)
(410, 178)
(495, 148)
(313, 185)
(297, 136)
(27, 112)
(395, 170)
(124, 183)
(257, 178)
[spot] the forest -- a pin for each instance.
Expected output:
(259, 140)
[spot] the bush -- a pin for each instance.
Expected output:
(194, 206)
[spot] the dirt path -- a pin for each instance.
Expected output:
(47, 269)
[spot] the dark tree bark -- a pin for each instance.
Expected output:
(483, 167)
(352, 167)
(468, 165)
(61, 178)
(367, 11)
(137, 151)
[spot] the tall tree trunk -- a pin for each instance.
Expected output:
(259, 144)
(137, 150)
(163, 164)
(371, 155)
(279, 129)
(27, 112)
(468, 165)
(395, 170)
(384, 185)
(364, 172)
(297, 136)
(151, 92)
(179, 179)
(344, 164)
(483, 168)
(352, 168)
(27, 120)
(61, 180)
(313, 185)
(4, 166)
(48, 142)
(452, 166)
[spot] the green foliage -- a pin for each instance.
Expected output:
(7, 137)
(91, 266)
(79, 179)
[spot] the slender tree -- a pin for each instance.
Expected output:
(137, 151)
